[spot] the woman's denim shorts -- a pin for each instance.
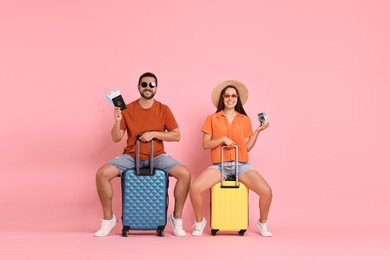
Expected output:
(229, 169)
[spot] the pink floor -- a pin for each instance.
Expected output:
(287, 243)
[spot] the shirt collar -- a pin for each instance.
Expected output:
(220, 113)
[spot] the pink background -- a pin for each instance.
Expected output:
(320, 69)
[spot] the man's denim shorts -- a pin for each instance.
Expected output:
(229, 169)
(164, 162)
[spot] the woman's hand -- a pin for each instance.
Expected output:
(263, 126)
(227, 141)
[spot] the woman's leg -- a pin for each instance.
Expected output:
(202, 183)
(255, 182)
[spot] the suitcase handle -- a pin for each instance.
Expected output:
(235, 163)
(143, 171)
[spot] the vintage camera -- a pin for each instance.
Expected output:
(262, 118)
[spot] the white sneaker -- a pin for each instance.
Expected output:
(199, 227)
(106, 226)
(263, 228)
(177, 226)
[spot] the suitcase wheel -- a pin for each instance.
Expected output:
(160, 232)
(125, 232)
(241, 232)
(214, 232)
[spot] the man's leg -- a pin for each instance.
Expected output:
(103, 184)
(183, 177)
(104, 188)
(181, 173)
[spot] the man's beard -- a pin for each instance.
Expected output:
(147, 97)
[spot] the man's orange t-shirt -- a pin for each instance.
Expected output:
(136, 120)
(217, 126)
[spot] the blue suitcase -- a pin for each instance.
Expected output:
(144, 197)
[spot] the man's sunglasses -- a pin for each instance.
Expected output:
(151, 84)
(230, 96)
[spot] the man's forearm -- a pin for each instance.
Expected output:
(171, 136)
(116, 134)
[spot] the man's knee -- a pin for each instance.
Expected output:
(107, 171)
(181, 172)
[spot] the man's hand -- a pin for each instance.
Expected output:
(117, 114)
(146, 137)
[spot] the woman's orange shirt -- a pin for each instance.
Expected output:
(217, 125)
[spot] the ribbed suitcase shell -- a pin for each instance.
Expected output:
(229, 208)
(144, 197)
(144, 200)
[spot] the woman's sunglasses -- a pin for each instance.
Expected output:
(151, 84)
(230, 96)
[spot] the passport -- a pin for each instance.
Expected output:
(119, 102)
(116, 99)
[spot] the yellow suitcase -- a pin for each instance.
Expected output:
(229, 209)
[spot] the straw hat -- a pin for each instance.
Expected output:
(242, 91)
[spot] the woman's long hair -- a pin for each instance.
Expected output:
(239, 107)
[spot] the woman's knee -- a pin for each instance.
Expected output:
(267, 192)
(194, 188)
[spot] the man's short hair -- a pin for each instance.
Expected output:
(147, 74)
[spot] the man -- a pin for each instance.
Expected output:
(150, 119)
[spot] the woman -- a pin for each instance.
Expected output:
(230, 126)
